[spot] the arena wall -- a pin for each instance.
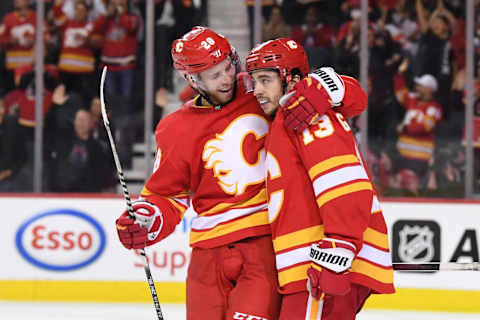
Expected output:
(64, 248)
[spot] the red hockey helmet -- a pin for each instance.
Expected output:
(281, 54)
(199, 49)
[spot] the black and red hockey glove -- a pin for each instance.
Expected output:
(311, 97)
(143, 229)
(329, 272)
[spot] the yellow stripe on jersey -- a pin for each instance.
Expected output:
(256, 219)
(332, 163)
(80, 57)
(145, 193)
(341, 191)
(407, 140)
(178, 207)
(377, 273)
(293, 239)
(261, 197)
(293, 274)
(20, 53)
(376, 238)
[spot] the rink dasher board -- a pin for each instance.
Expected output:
(65, 248)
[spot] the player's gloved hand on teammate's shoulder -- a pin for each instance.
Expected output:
(141, 231)
(329, 270)
(311, 97)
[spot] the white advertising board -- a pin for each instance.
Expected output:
(75, 239)
(69, 244)
(436, 231)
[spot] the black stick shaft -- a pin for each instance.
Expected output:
(437, 266)
(121, 178)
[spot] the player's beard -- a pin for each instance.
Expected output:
(222, 96)
(270, 105)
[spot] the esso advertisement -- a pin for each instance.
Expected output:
(60, 240)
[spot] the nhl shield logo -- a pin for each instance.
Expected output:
(416, 241)
(421, 241)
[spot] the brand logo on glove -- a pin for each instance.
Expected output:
(328, 81)
(328, 258)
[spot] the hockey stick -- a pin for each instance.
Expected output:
(121, 178)
(437, 266)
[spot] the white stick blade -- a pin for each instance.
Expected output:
(102, 97)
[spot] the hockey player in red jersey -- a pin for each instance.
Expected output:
(211, 151)
(328, 231)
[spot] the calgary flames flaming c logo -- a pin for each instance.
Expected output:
(225, 154)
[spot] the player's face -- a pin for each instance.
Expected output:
(218, 82)
(268, 89)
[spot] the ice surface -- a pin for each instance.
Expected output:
(118, 311)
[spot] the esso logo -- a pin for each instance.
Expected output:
(60, 240)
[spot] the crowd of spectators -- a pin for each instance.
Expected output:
(81, 36)
(416, 82)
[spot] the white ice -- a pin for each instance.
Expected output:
(117, 311)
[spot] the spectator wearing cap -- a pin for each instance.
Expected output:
(416, 133)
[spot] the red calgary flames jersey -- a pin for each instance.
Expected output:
(317, 186)
(418, 138)
(76, 55)
(20, 31)
(119, 47)
(217, 157)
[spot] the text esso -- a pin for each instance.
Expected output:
(60, 240)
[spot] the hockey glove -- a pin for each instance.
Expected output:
(143, 229)
(311, 98)
(329, 270)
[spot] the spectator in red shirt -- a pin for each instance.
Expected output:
(76, 62)
(416, 133)
(313, 33)
(17, 39)
(117, 33)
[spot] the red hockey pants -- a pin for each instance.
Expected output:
(235, 281)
